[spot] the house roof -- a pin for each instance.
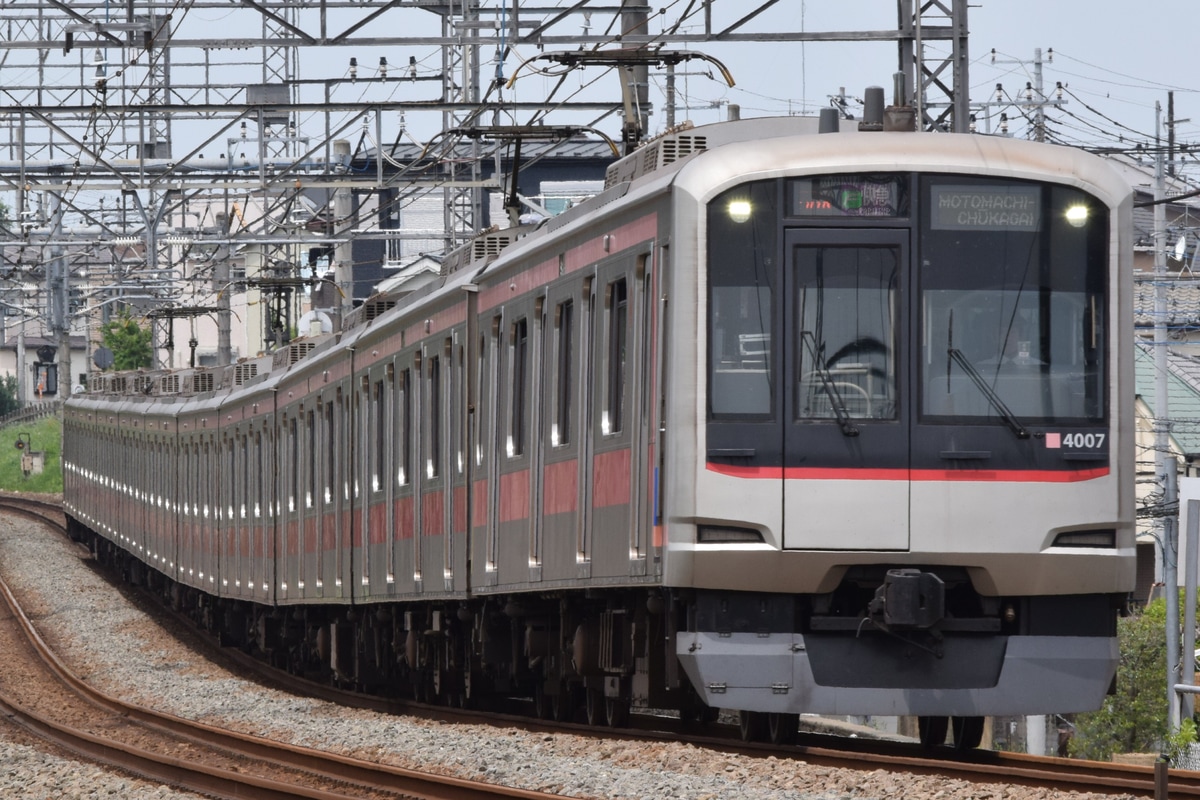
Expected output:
(1183, 396)
(1183, 302)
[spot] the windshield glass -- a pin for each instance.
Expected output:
(1011, 281)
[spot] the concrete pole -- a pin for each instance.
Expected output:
(224, 311)
(58, 290)
(22, 364)
(1035, 735)
(1188, 658)
(1039, 114)
(1167, 468)
(343, 252)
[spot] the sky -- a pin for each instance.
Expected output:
(1116, 61)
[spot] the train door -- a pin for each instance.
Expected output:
(845, 448)
(559, 440)
(454, 550)
(290, 516)
(613, 540)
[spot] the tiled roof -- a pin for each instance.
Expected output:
(1183, 302)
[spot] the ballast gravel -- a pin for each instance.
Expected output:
(117, 648)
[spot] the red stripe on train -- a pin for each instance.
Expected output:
(835, 474)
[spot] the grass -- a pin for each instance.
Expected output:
(43, 435)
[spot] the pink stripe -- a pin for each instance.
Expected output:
(514, 496)
(610, 483)
(562, 487)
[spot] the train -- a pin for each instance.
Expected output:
(780, 422)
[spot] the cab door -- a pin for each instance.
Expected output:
(845, 437)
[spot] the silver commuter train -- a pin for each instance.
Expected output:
(779, 422)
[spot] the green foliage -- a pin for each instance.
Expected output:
(130, 343)
(9, 400)
(45, 435)
(1134, 720)
(1179, 742)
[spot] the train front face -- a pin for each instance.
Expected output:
(912, 494)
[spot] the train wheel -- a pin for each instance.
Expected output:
(542, 702)
(933, 730)
(563, 704)
(616, 712)
(462, 698)
(752, 725)
(594, 706)
(783, 729)
(968, 732)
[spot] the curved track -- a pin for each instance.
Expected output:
(44, 697)
(818, 749)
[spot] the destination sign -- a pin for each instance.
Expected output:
(850, 196)
(986, 208)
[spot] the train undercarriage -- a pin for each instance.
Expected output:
(597, 655)
(592, 655)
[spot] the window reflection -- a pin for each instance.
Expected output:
(1019, 301)
(845, 307)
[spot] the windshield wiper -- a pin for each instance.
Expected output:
(830, 386)
(988, 392)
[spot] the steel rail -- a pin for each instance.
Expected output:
(977, 766)
(367, 776)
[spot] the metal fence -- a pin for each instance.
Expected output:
(31, 412)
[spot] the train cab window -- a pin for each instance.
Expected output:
(844, 334)
(1012, 301)
(742, 272)
(612, 419)
(564, 358)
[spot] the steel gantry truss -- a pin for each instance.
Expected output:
(145, 141)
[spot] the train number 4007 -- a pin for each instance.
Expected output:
(1085, 441)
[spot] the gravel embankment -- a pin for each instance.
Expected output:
(118, 649)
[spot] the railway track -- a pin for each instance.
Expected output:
(816, 749)
(41, 695)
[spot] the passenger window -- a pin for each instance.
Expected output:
(433, 460)
(379, 436)
(564, 357)
(403, 449)
(519, 361)
(612, 419)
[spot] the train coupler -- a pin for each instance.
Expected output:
(908, 600)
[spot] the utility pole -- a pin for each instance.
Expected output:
(57, 296)
(1033, 97)
(167, 104)
(1167, 468)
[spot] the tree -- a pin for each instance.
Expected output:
(1134, 719)
(129, 342)
(9, 399)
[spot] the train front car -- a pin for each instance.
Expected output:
(913, 482)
